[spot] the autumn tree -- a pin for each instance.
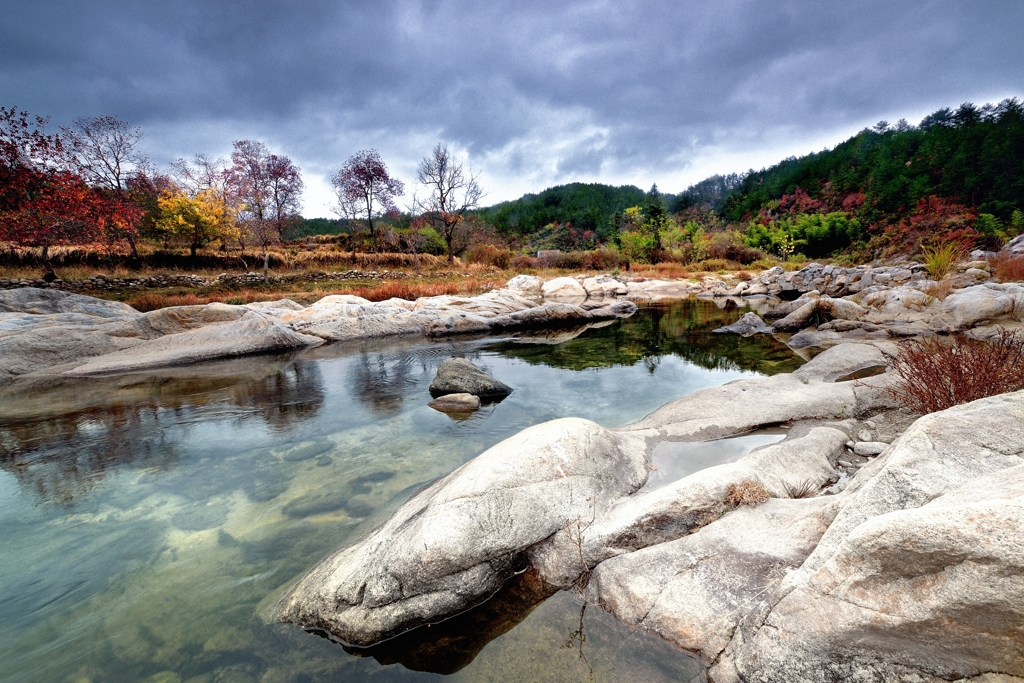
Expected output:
(41, 203)
(364, 186)
(195, 218)
(104, 151)
(451, 193)
(267, 188)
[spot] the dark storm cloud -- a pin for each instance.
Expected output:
(541, 90)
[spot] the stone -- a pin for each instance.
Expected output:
(869, 447)
(603, 286)
(460, 376)
(455, 403)
(565, 288)
(694, 591)
(920, 576)
(453, 544)
(970, 306)
(687, 505)
(749, 324)
(527, 284)
(865, 435)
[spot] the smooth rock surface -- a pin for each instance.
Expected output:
(456, 542)
(921, 574)
(869, 447)
(566, 288)
(455, 403)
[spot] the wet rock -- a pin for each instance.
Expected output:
(307, 450)
(749, 324)
(457, 541)
(460, 376)
(455, 403)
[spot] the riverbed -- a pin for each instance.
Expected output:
(146, 520)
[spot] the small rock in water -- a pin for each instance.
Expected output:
(455, 403)
(459, 376)
(746, 326)
(869, 447)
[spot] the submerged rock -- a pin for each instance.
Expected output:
(460, 376)
(455, 403)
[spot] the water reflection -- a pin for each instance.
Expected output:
(179, 500)
(61, 439)
(676, 328)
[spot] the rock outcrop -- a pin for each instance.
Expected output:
(910, 569)
(49, 332)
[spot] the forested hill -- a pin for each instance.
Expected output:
(971, 156)
(587, 206)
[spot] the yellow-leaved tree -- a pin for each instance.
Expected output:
(196, 219)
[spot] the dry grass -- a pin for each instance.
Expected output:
(935, 374)
(806, 489)
(1008, 268)
(310, 292)
(942, 289)
(746, 493)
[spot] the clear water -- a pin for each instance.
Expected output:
(146, 519)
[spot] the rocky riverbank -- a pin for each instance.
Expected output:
(46, 332)
(790, 564)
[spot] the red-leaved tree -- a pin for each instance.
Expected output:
(363, 184)
(41, 203)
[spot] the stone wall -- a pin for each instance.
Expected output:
(100, 283)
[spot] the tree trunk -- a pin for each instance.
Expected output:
(266, 263)
(192, 249)
(449, 239)
(48, 274)
(134, 258)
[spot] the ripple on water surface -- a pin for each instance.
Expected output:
(144, 518)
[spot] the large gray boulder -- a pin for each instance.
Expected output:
(460, 376)
(457, 541)
(748, 325)
(921, 574)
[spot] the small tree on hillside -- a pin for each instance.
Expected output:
(451, 193)
(364, 186)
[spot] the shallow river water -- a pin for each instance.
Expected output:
(147, 520)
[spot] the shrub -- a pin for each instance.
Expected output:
(489, 255)
(940, 261)
(1008, 268)
(715, 264)
(763, 264)
(935, 373)
(601, 259)
(524, 262)
(571, 260)
(746, 493)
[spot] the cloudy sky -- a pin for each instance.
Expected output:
(533, 94)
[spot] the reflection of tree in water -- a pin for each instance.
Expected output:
(286, 398)
(681, 328)
(110, 423)
(60, 459)
(382, 380)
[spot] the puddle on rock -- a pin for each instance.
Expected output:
(674, 460)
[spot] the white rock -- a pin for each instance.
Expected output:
(565, 288)
(869, 447)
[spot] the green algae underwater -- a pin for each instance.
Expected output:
(149, 521)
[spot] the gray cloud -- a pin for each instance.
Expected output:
(534, 92)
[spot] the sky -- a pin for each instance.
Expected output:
(529, 93)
